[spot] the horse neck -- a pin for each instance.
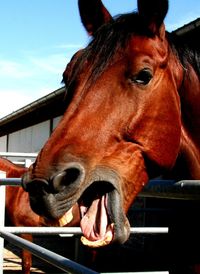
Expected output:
(190, 112)
(11, 169)
(190, 102)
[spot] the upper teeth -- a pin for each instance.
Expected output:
(66, 218)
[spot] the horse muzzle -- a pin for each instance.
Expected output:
(97, 194)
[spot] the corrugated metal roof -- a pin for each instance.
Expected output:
(47, 107)
(188, 27)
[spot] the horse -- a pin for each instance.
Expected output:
(17, 208)
(132, 114)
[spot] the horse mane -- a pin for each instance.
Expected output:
(185, 50)
(113, 37)
(109, 39)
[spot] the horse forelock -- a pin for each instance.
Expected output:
(107, 41)
(113, 37)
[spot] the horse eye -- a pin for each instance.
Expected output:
(143, 77)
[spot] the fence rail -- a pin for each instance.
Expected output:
(56, 260)
(169, 189)
(18, 154)
(76, 230)
(187, 190)
(47, 255)
(27, 158)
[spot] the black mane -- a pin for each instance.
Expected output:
(109, 39)
(186, 51)
(114, 36)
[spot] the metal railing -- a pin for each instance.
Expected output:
(76, 230)
(169, 189)
(187, 190)
(28, 158)
(52, 258)
(44, 254)
(18, 154)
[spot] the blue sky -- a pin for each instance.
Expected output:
(39, 37)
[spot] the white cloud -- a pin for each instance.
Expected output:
(54, 63)
(13, 70)
(28, 79)
(11, 100)
(33, 66)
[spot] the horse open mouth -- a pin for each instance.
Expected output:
(97, 207)
(96, 219)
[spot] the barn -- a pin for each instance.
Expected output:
(27, 129)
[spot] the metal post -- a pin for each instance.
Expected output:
(2, 218)
(28, 162)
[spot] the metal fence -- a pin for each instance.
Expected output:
(54, 259)
(189, 190)
(44, 254)
(26, 158)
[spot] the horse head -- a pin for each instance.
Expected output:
(122, 123)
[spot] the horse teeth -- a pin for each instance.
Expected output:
(66, 218)
(101, 242)
(98, 243)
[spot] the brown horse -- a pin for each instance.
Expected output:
(132, 113)
(18, 211)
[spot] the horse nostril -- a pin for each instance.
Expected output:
(35, 186)
(74, 173)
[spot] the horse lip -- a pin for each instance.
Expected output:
(100, 175)
(117, 218)
(121, 223)
(103, 180)
(109, 179)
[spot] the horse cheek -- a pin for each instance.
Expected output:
(136, 177)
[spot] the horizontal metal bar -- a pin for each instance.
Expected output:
(43, 230)
(19, 163)
(146, 272)
(169, 189)
(18, 154)
(10, 181)
(47, 255)
(77, 230)
(149, 230)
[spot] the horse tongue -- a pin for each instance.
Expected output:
(94, 222)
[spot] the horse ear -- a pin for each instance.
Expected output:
(153, 13)
(93, 14)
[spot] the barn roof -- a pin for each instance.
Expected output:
(52, 105)
(47, 107)
(190, 32)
